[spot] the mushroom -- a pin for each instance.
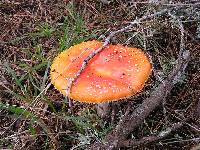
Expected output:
(115, 73)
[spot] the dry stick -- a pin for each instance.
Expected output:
(105, 44)
(130, 121)
(152, 138)
(88, 58)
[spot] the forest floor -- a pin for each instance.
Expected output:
(34, 115)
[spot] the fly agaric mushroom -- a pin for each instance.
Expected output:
(115, 73)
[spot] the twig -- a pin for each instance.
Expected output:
(88, 58)
(105, 44)
(153, 138)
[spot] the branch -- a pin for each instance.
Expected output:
(105, 44)
(130, 121)
(153, 138)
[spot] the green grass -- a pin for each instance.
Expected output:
(21, 113)
(45, 30)
(32, 121)
(35, 76)
(72, 31)
(30, 76)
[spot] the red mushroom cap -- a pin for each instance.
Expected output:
(115, 73)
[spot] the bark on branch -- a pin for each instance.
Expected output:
(130, 121)
(152, 138)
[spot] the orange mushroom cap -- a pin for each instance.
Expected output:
(115, 73)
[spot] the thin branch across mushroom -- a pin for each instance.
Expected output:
(114, 73)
